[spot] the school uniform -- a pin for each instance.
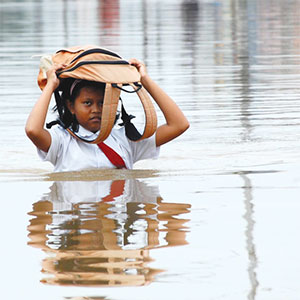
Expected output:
(108, 205)
(67, 153)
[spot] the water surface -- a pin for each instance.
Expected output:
(216, 216)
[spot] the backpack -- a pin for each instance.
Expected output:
(102, 65)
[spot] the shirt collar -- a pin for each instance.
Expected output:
(84, 133)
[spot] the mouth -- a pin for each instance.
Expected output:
(95, 119)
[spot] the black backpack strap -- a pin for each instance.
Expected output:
(130, 130)
(150, 114)
(56, 122)
(135, 84)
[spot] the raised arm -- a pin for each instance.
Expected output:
(35, 123)
(176, 122)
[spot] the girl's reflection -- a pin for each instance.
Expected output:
(100, 232)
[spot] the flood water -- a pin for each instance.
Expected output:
(217, 215)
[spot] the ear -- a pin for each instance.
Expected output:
(70, 106)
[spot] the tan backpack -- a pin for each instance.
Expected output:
(98, 64)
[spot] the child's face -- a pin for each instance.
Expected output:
(88, 108)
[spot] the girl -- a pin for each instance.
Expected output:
(83, 113)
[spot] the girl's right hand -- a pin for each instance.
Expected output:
(52, 79)
(35, 123)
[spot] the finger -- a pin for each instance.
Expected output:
(59, 66)
(134, 61)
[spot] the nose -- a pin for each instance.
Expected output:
(97, 107)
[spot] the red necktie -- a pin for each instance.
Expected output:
(116, 189)
(112, 155)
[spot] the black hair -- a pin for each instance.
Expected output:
(63, 94)
(66, 119)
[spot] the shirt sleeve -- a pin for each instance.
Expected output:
(55, 147)
(144, 149)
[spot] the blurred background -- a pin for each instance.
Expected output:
(229, 185)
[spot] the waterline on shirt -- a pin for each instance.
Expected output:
(84, 175)
(7, 175)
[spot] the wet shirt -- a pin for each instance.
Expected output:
(67, 153)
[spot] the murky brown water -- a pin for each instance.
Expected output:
(216, 216)
(101, 233)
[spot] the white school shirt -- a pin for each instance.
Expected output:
(67, 153)
(65, 195)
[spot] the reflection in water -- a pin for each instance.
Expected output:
(100, 232)
(109, 19)
(190, 19)
(249, 237)
(86, 298)
(232, 66)
(247, 57)
(190, 15)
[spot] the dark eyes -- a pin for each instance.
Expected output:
(89, 103)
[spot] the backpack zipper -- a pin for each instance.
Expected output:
(97, 62)
(95, 50)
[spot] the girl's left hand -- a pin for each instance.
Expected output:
(139, 65)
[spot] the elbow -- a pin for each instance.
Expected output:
(28, 131)
(181, 128)
(31, 132)
(187, 125)
(184, 126)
